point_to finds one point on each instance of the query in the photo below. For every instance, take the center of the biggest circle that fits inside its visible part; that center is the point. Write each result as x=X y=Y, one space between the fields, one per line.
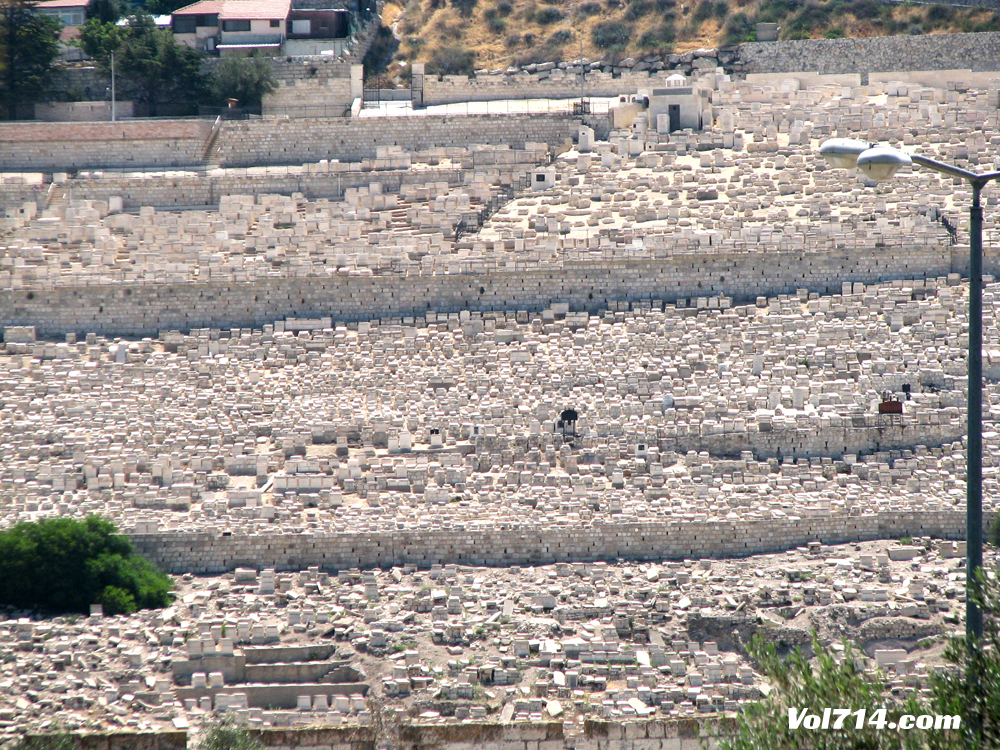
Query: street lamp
x=881 y=163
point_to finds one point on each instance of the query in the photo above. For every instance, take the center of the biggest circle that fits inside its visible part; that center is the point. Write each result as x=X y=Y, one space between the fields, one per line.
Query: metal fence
x=503 y=107
x=308 y=110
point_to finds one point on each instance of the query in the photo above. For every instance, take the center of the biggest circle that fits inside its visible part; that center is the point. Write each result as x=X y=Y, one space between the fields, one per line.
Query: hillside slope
x=458 y=36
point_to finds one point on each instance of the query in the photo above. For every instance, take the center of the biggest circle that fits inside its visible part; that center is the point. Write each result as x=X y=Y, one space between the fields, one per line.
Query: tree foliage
x=105 y=11
x=451 y=60
x=29 y=44
x=831 y=682
x=229 y=736
x=247 y=79
x=64 y=565
x=970 y=688
x=61 y=741
x=150 y=67
x=974 y=688
x=610 y=34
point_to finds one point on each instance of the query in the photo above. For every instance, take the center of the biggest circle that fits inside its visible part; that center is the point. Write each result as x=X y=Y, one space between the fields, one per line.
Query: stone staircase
x=275 y=677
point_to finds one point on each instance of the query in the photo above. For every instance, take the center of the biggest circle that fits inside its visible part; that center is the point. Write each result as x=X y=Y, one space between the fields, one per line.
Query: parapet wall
x=264 y=142
x=144 y=310
x=61 y=146
x=208 y=552
x=558 y=84
x=642 y=734
x=199 y=189
x=977 y=52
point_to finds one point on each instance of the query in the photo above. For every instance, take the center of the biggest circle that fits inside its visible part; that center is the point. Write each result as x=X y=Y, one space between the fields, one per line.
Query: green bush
x=862 y=9
x=249 y=79
x=637 y=9
x=776 y=11
x=610 y=34
x=464 y=7
x=710 y=9
x=548 y=14
x=228 y=736
x=661 y=38
x=585 y=10
x=835 y=33
x=451 y=60
x=47 y=742
x=63 y=565
x=939 y=13
x=563 y=36
x=739 y=28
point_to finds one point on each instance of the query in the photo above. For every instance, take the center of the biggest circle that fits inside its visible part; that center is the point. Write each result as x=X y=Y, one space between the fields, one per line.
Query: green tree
x=29 y=44
x=247 y=79
x=229 y=736
x=63 y=741
x=64 y=565
x=973 y=689
x=151 y=68
x=798 y=684
x=105 y=11
x=99 y=39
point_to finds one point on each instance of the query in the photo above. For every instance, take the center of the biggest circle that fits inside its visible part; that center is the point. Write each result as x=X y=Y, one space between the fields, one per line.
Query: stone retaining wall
x=263 y=142
x=205 y=552
x=977 y=52
x=144 y=310
x=194 y=189
x=642 y=734
x=62 y=146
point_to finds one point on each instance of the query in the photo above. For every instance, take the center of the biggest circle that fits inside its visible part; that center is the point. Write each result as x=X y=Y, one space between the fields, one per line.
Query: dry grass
x=505 y=32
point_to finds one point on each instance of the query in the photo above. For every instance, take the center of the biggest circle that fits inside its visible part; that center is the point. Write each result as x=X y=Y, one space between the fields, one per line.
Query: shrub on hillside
x=64 y=565
x=229 y=736
x=862 y=9
x=548 y=14
x=940 y=13
x=637 y=9
x=451 y=60
x=610 y=34
x=739 y=28
x=661 y=38
x=585 y=10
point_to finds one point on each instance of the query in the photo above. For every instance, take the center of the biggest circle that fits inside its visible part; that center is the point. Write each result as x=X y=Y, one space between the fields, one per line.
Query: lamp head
x=882 y=162
x=843 y=153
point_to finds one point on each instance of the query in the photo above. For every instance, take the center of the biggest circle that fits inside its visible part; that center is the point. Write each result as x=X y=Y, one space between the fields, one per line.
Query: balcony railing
x=233 y=37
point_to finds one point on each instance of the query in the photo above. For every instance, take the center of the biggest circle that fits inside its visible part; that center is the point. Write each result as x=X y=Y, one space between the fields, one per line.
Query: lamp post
x=881 y=163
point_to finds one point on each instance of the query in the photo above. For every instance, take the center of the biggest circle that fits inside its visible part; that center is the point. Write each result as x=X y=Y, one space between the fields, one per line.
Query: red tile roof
x=63 y=4
x=255 y=9
x=204 y=7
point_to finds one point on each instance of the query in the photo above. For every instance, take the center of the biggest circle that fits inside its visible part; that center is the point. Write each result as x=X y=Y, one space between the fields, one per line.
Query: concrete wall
x=977 y=52
x=180 y=552
x=641 y=734
x=261 y=142
x=194 y=189
x=134 y=143
x=82 y=111
x=585 y=285
x=556 y=84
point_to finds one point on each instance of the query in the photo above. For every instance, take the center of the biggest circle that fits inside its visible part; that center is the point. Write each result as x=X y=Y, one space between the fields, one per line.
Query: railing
x=308 y=110
x=503 y=107
x=229 y=113
x=210 y=141
x=229 y=37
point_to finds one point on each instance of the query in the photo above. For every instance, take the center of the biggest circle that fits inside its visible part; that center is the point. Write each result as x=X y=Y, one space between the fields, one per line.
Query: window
x=539 y=178
x=184 y=24
x=275 y=24
x=242 y=25
x=211 y=19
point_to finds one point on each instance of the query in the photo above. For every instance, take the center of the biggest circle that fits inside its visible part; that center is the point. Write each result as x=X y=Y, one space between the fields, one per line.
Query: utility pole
x=113 y=117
